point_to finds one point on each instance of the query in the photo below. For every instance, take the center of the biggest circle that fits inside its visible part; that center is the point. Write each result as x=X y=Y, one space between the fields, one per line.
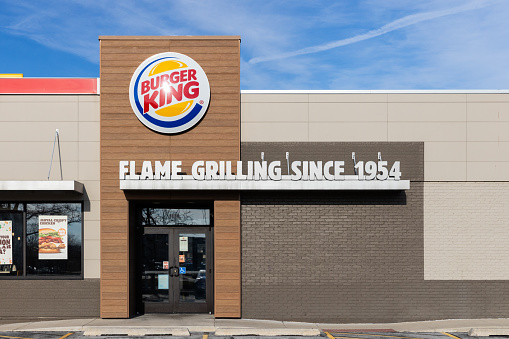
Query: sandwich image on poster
x=52 y=237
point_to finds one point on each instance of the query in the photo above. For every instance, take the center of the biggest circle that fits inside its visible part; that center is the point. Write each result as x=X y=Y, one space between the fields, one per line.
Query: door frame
x=139 y=229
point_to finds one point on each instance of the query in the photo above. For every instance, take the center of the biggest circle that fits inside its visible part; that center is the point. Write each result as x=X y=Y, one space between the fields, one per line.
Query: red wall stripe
x=48 y=86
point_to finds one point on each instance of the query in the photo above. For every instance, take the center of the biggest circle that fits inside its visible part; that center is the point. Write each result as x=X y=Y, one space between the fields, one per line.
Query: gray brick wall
x=348 y=256
x=49 y=298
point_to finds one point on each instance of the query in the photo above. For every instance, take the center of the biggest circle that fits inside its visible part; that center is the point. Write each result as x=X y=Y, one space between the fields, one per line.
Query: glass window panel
x=11 y=260
x=175 y=217
x=11 y=206
x=154 y=278
x=55 y=263
x=193 y=284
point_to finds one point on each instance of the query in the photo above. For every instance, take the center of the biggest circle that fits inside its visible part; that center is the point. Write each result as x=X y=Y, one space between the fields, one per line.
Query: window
x=41 y=239
x=175 y=216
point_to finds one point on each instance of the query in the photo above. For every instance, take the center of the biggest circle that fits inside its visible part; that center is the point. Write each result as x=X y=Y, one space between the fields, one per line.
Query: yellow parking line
x=329 y=335
x=205 y=336
x=65 y=336
x=4 y=336
x=450 y=335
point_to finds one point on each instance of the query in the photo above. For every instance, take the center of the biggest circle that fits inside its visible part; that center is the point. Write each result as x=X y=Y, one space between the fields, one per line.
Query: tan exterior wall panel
x=426 y=97
x=445 y=151
x=488 y=151
x=28 y=170
x=88 y=108
x=445 y=170
x=488 y=111
x=21 y=151
x=92 y=268
x=487 y=97
x=88 y=151
x=465 y=231
x=347 y=112
x=33 y=110
x=347 y=97
x=38 y=131
x=92 y=210
x=273 y=98
x=296 y=131
x=488 y=131
x=426 y=131
x=274 y=112
x=348 y=131
x=92 y=231
x=89 y=131
x=443 y=111
x=88 y=170
x=487 y=171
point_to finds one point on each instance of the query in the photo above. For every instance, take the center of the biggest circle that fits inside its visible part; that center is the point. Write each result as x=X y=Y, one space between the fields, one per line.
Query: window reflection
x=70 y=266
x=175 y=216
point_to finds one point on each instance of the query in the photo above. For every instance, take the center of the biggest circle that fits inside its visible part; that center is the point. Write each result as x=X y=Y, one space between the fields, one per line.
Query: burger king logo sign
x=169 y=93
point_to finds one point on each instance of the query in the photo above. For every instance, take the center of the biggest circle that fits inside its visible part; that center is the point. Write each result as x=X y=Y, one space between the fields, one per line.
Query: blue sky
x=286 y=45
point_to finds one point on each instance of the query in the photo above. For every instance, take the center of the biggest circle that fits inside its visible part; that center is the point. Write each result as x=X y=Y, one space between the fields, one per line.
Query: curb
x=135 y=331
x=485 y=332
x=268 y=332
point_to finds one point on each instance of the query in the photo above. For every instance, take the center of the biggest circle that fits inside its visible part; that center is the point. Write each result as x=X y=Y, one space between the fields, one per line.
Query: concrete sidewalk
x=184 y=324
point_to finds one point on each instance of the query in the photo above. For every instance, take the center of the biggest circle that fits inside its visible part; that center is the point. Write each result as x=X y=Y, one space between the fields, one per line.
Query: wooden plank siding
x=123 y=137
x=227 y=263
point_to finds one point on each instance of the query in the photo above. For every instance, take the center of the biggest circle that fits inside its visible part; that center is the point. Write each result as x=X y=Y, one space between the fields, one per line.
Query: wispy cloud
x=392 y=26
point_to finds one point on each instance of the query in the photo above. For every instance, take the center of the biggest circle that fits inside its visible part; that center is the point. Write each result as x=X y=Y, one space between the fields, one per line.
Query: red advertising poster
x=52 y=237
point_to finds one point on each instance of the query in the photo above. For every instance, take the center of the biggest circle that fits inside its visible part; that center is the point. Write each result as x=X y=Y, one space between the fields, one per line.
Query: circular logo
x=169 y=93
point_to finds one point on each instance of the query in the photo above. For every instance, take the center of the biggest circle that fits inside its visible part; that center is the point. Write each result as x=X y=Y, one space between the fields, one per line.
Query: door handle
x=174 y=271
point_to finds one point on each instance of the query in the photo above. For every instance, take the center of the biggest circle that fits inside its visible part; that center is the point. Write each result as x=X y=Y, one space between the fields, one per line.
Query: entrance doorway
x=175 y=267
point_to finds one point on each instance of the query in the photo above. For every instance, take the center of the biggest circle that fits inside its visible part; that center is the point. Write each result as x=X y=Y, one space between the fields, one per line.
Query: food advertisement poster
x=6 y=242
x=52 y=237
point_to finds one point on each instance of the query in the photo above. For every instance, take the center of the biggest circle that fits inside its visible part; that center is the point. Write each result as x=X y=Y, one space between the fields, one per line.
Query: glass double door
x=176 y=269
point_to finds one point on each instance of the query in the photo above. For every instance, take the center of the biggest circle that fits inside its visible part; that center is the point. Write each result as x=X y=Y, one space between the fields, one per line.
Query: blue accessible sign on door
x=182 y=270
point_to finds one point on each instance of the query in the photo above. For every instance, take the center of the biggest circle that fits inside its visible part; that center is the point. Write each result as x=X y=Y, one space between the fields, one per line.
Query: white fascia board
x=382 y=91
x=67 y=185
x=188 y=183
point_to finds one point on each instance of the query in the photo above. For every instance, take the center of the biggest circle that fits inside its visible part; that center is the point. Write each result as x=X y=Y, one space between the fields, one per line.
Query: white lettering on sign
x=259 y=170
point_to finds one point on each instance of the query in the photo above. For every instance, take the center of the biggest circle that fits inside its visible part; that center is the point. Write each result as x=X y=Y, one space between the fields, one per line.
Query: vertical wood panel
x=227 y=264
x=123 y=137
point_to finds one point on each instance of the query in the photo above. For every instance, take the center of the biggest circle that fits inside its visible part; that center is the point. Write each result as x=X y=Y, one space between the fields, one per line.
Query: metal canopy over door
x=175 y=269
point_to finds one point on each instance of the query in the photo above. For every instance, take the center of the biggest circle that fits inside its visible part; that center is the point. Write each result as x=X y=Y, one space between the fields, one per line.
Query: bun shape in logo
x=169 y=93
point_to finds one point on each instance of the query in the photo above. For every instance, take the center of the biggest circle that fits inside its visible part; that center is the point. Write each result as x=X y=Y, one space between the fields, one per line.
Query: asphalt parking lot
x=331 y=334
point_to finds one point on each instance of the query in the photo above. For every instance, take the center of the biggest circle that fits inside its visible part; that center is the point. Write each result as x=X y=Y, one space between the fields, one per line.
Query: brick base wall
x=349 y=257
x=50 y=298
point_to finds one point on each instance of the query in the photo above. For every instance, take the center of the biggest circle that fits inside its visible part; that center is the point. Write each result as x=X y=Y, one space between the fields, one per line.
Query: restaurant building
x=162 y=187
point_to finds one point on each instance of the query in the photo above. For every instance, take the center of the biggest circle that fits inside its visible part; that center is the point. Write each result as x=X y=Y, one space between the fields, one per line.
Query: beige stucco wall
x=466 y=135
x=27 y=131
x=466 y=230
